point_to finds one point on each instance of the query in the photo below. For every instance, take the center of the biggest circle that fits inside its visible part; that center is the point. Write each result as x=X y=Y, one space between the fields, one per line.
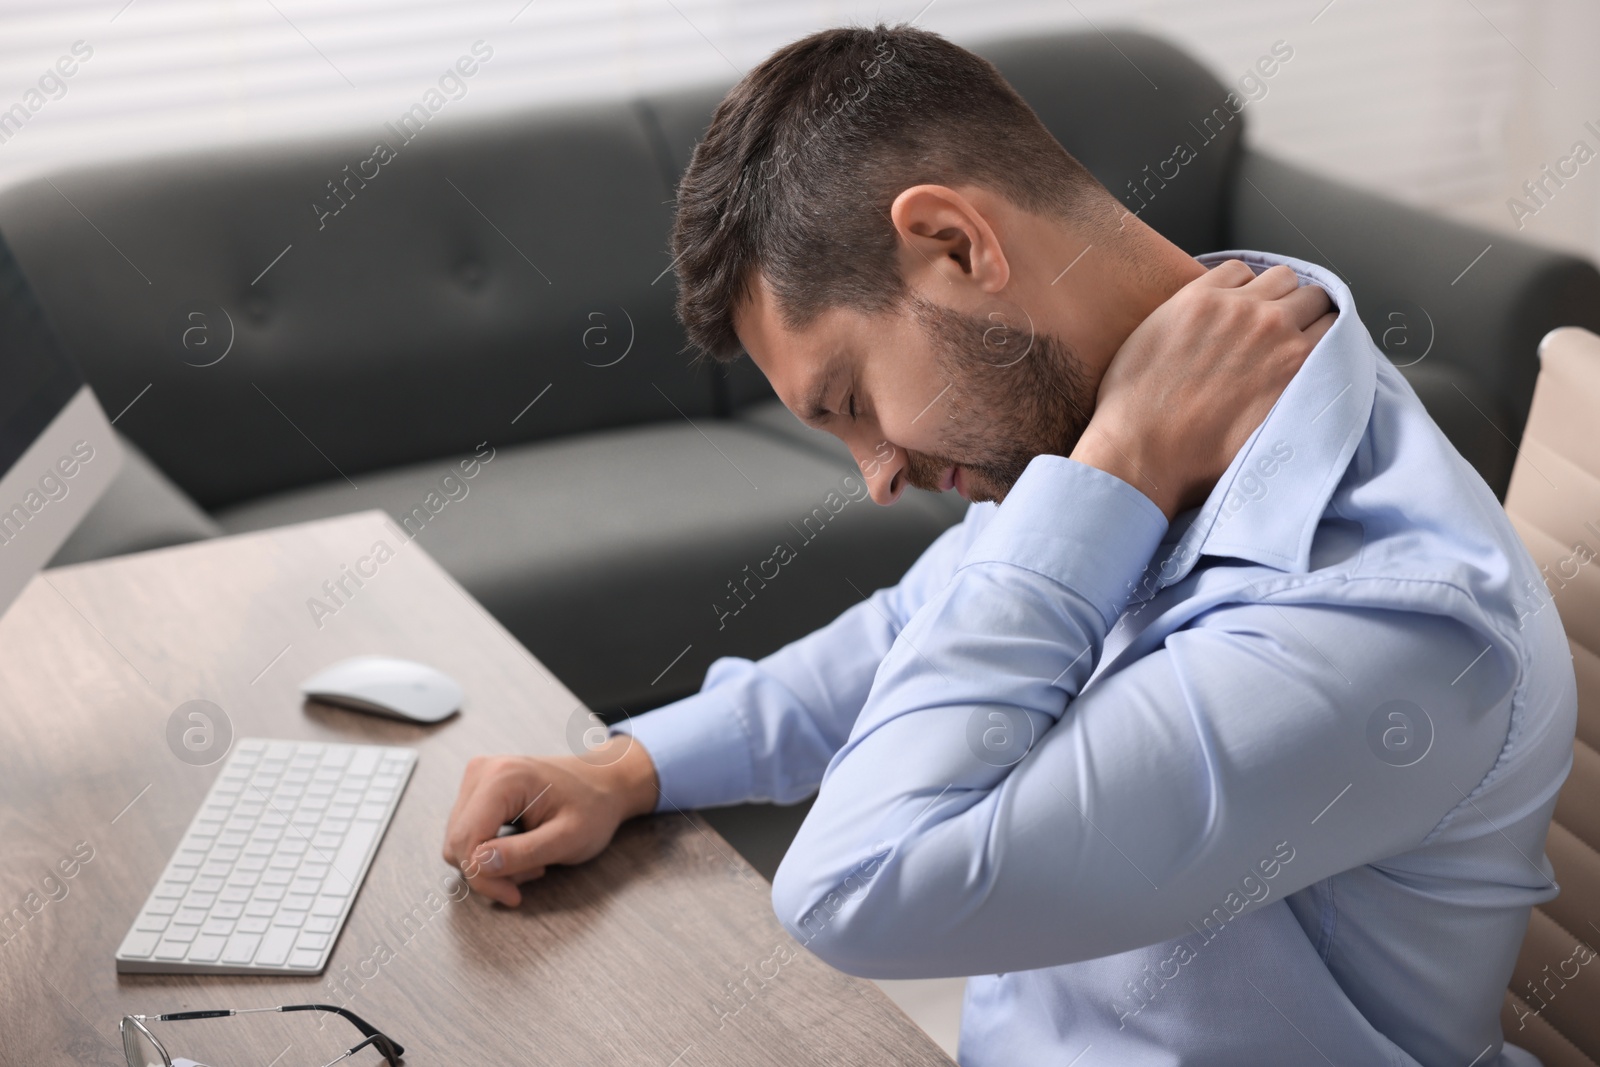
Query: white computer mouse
x=382 y=685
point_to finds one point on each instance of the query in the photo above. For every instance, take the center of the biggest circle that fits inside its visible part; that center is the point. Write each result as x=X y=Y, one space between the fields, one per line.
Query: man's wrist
x=628 y=772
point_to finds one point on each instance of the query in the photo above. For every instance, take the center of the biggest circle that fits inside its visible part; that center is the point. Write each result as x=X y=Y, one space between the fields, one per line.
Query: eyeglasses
x=144 y=1050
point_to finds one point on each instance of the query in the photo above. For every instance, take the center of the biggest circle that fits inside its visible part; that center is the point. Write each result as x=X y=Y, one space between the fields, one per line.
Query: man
x=1226 y=727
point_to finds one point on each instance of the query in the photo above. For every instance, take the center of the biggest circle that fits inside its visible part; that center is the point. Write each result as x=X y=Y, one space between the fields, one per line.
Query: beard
x=1010 y=398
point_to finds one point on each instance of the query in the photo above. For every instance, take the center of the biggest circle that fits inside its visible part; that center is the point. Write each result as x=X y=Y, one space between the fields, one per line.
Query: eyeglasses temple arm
x=370 y=1032
x=366 y=1028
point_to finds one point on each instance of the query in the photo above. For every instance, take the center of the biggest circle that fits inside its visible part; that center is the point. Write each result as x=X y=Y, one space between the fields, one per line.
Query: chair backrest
x=1554 y=503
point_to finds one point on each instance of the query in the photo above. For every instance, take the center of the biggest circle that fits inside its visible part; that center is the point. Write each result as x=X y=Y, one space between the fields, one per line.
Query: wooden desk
x=633 y=958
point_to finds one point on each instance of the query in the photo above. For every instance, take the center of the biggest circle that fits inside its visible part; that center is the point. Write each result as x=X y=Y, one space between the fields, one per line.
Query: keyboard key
x=319 y=924
x=302 y=958
x=217 y=927
x=161 y=907
x=364 y=762
x=227 y=911
x=353 y=853
x=261 y=908
x=253 y=925
x=295 y=919
x=181 y=934
x=191 y=916
x=206 y=949
x=199 y=900
x=139 y=945
x=241 y=948
x=171 y=891
x=172 y=950
x=235 y=894
x=275 y=947
x=207 y=885
x=152 y=923
x=328 y=905
x=317 y=942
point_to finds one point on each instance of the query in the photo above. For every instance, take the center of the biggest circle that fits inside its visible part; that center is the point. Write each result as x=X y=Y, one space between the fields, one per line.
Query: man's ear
x=945 y=238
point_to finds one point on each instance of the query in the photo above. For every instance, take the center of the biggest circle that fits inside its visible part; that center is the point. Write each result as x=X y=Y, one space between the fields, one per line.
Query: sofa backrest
x=478 y=267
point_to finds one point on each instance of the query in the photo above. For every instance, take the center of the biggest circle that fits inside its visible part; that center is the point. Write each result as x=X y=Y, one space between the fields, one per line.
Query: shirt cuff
x=1078 y=526
x=700 y=748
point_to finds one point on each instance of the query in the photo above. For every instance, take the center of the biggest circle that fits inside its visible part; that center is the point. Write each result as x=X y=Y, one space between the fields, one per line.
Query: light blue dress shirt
x=1266 y=787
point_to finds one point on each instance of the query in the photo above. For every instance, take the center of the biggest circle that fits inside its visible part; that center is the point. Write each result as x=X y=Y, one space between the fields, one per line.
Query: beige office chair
x=1562 y=531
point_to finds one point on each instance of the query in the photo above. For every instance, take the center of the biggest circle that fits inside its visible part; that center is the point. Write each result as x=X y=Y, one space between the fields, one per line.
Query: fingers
x=1274 y=283
x=1229 y=274
x=500 y=890
x=1307 y=304
x=469 y=782
x=523 y=857
x=499 y=792
x=1316 y=330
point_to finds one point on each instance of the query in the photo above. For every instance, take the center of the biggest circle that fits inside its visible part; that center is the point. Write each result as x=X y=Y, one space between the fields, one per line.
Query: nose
x=884 y=467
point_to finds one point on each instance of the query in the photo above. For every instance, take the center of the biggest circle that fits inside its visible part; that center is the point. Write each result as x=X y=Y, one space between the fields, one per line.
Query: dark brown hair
x=795 y=176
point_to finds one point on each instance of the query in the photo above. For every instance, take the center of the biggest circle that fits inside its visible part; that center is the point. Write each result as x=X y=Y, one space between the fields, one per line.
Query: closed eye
x=852 y=405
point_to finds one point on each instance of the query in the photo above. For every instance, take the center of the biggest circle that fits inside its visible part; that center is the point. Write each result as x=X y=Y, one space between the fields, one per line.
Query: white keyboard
x=266 y=873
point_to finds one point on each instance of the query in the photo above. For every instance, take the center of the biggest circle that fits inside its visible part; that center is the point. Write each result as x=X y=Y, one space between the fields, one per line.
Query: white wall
x=1448 y=104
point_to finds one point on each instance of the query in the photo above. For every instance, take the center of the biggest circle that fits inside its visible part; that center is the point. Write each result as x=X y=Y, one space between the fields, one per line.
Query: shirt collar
x=1266 y=506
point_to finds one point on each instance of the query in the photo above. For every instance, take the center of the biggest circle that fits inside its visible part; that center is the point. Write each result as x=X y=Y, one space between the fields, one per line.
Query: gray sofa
x=503 y=288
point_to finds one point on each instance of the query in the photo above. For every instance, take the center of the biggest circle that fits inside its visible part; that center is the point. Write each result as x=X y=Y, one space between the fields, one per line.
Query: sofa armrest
x=1423 y=291
x=140 y=510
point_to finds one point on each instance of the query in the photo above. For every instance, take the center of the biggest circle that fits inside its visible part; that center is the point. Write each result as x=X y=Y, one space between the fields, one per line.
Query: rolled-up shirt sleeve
x=1130 y=809
x=764 y=730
